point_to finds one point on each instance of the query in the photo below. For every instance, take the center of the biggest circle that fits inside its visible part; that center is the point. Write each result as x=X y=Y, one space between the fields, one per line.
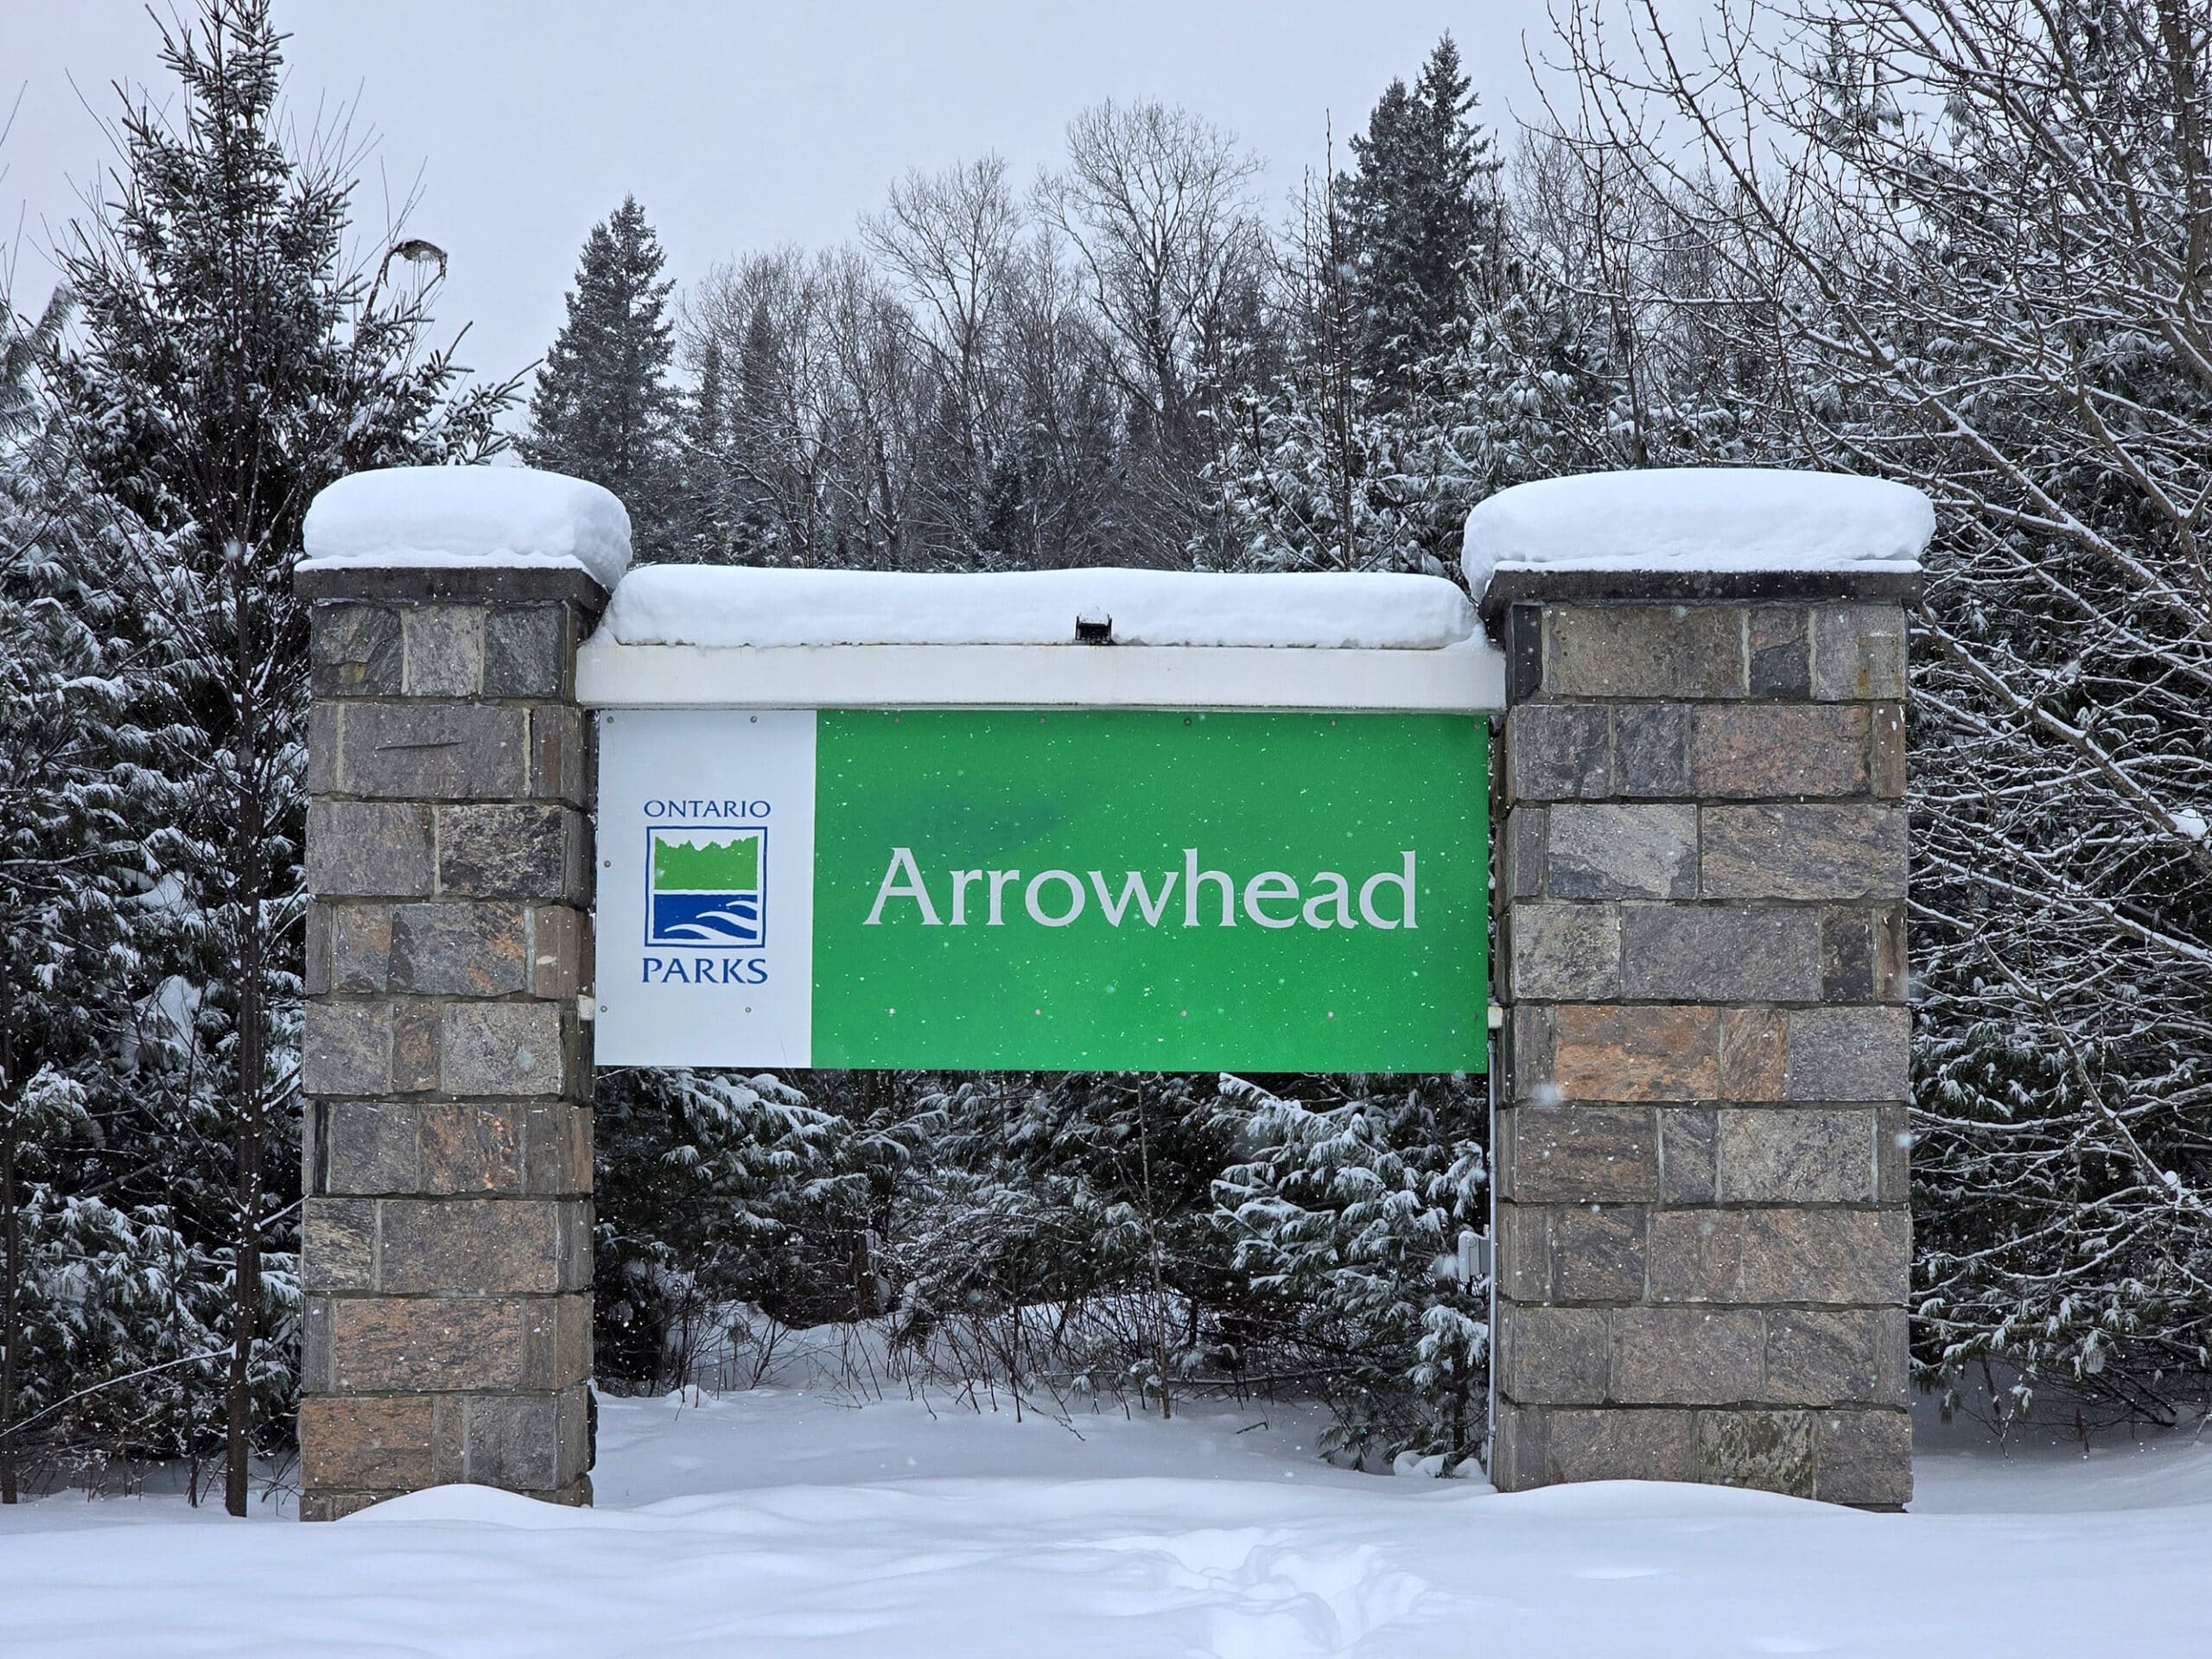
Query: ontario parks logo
x=704 y=887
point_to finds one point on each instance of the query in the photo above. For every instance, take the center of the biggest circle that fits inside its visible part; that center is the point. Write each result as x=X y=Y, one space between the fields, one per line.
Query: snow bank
x=445 y=515
x=695 y=604
x=795 y=1524
x=1699 y=518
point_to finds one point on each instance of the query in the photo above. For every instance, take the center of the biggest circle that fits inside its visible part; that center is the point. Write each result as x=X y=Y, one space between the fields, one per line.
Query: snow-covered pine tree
x=1420 y=211
x=83 y=819
x=1345 y=1212
x=604 y=408
x=232 y=360
x=1404 y=397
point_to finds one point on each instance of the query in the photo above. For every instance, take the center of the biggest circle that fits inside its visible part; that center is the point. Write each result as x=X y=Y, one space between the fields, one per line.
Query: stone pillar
x=1702 y=1236
x=447 y=1231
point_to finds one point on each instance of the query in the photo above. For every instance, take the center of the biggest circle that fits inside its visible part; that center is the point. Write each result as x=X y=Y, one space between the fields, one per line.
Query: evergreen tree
x=1342 y=1212
x=604 y=408
x=1409 y=390
x=83 y=818
x=1421 y=217
x=230 y=362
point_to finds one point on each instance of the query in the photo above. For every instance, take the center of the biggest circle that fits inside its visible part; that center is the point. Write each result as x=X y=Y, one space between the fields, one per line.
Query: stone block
x=472 y=1146
x=1859 y=653
x=557 y=1147
x=1807 y=851
x=336 y=1506
x=1689 y=1155
x=359 y=950
x=1570 y=952
x=514 y=1441
x=1711 y=953
x=1621 y=851
x=1850 y=1054
x=1516 y=1447
x=578 y=1429
x=314 y=973
x=1847 y=954
x=338 y=1244
x=414 y=1046
x=1558 y=751
x=1651 y=749
x=1601 y=1052
x=1695 y=1255
x=559 y=948
x=1839 y=1357
x=512 y=852
x=365 y=1444
x=1811 y=1257
x=527 y=651
x=1796 y=1155
x=431 y=1344
x=1551 y=1356
x=353 y=651
x=1762 y=750
x=1657 y=1443
x=474 y=1246
x=1764 y=1451
x=346 y=1049
x=1886 y=752
x=317 y=1373
x=1598 y=1252
x=1688 y=1356
x=445 y=649
x=1893 y=1154
x=325 y=722
x=1863 y=1457
x=1579 y=1154
x=369 y=1146
x=1845 y=1257
x=368 y=850
x=459 y=948
x=1644 y=651
x=1781 y=651
x=434 y=751
x=502 y=1048
x=557 y=754
x=1529 y=1053
x=1522 y=875
x=1754 y=1053
x=1524 y=1252
x=561 y=1338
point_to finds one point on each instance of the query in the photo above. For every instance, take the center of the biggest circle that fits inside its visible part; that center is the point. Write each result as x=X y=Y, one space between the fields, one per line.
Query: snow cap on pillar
x=1716 y=520
x=448 y=516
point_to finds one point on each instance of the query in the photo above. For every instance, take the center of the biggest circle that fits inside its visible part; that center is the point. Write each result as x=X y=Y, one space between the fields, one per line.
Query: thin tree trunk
x=11 y=1227
x=245 y=1305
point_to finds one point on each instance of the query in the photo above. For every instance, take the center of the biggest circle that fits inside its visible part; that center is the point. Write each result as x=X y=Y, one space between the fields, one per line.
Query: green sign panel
x=1098 y=890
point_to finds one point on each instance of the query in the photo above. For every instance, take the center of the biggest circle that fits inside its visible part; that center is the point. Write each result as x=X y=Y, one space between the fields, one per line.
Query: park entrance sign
x=1126 y=819
x=1114 y=889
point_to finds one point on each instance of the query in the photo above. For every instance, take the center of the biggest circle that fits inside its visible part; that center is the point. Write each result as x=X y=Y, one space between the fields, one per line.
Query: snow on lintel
x=452 y=516
x=733 y=606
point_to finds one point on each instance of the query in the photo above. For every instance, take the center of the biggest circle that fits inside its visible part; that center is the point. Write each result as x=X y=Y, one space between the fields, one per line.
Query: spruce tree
x=83 y=813
x=1419 y=214
x=604 y=408
x=231 y=362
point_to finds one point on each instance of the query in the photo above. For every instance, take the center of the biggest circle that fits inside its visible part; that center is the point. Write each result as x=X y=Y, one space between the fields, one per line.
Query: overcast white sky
x=738 y=126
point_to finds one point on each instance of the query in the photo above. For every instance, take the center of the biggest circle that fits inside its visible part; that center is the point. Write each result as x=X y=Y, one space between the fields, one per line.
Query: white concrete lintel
x=1467 y=678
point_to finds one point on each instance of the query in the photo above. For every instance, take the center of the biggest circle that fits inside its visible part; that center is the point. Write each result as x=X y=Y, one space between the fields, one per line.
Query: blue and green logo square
x=705 y=885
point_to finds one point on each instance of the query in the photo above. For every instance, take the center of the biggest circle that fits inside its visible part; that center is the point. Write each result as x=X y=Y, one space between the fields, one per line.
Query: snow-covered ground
x=782 y=1522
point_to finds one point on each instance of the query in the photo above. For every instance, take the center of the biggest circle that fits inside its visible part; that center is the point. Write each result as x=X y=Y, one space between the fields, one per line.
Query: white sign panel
x=705 y=920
